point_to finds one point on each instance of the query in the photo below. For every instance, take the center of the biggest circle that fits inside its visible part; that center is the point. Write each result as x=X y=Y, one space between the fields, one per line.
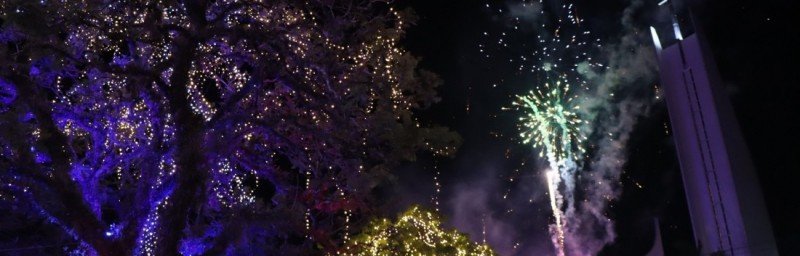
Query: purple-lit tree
x=204 y=127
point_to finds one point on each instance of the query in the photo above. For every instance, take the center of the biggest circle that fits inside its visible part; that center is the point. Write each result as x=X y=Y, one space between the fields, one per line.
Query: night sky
x=754 y=45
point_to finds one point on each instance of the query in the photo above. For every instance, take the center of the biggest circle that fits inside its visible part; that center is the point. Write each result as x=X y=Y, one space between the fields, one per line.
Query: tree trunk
x=190 y=159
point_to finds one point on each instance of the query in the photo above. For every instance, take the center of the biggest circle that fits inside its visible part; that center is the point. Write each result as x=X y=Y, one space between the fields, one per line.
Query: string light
x=277 y=93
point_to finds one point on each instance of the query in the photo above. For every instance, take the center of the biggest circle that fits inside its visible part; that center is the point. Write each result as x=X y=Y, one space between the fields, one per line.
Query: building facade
x=726 y=206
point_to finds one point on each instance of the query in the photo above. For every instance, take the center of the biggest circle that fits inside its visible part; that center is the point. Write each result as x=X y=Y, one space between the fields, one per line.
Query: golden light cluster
x=415 y=232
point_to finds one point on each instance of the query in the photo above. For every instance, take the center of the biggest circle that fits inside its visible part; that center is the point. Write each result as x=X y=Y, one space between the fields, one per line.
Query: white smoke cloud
x=479 y=209
x=613 y=108
x=527 y=12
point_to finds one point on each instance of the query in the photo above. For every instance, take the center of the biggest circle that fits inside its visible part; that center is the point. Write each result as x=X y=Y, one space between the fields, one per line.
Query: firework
x=558 y=56
x=551 y=123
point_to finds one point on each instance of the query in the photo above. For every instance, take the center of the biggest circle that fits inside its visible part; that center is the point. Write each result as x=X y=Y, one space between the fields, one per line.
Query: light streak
x=553 y=179
x=656 y=41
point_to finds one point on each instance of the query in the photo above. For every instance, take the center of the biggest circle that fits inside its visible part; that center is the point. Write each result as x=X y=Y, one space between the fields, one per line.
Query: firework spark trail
x=552 y=125
x=553 y=179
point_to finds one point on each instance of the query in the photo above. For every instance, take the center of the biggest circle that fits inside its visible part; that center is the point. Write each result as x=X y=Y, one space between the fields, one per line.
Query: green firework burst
x=550 y=122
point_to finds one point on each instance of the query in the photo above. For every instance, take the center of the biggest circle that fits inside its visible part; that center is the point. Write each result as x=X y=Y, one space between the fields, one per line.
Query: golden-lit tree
x=415 y=232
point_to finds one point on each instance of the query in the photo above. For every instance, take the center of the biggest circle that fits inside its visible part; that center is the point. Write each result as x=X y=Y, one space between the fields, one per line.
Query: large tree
x=193 y=127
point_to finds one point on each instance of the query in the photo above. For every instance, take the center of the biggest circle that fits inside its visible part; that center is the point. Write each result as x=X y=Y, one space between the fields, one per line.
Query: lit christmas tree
x=415 y=232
